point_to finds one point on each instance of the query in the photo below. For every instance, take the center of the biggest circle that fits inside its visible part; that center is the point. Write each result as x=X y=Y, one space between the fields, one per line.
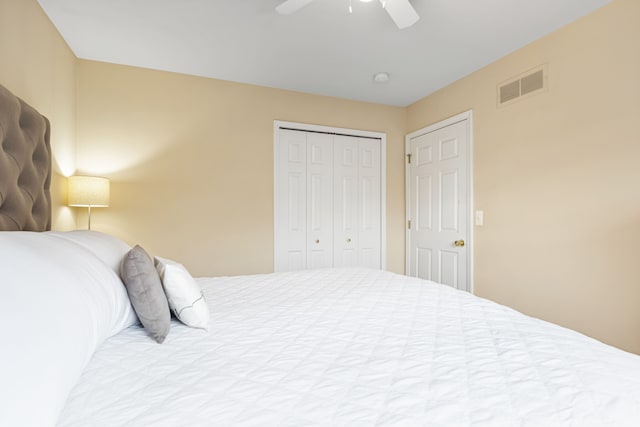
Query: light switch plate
x=479 y=218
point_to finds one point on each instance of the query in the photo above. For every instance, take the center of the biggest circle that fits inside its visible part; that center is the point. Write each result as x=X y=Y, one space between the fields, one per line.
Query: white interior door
x=319 y=200
x=291 y=202
x=438 y=205
x=345 y=196
x=369 y=206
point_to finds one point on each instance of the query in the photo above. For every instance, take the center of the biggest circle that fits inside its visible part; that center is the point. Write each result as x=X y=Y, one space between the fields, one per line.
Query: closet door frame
x=277 y=124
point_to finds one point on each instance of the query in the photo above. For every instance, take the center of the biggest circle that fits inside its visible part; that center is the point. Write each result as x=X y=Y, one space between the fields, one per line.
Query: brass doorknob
x=458 y=243
x=318 y=241
x=348 y=240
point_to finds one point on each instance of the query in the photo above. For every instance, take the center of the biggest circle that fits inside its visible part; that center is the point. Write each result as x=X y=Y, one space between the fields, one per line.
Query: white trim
x=275 y=191
x=277 y=124
x=468 y=117
x=328 y=129
x=407 y=205
x=383 y=201
x=470 y=199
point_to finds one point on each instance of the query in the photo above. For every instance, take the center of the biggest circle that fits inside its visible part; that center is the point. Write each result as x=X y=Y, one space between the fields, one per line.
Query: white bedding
x=355 y=348
x=58 y=302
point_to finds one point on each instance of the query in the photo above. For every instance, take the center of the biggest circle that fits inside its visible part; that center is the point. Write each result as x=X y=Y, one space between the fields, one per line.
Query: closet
x=328 y=200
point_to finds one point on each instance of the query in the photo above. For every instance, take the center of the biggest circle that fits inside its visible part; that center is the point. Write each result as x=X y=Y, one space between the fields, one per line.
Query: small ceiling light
x=381 y=77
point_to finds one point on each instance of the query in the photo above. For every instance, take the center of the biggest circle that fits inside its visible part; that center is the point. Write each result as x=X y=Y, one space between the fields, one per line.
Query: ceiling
x=321 y=49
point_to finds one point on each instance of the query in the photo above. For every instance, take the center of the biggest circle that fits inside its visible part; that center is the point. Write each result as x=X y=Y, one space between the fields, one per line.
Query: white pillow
x=59 y=303
x=108 y=248
x=183 y=293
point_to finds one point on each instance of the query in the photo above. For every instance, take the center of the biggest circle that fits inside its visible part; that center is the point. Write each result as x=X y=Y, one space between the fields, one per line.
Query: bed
x=332 y=347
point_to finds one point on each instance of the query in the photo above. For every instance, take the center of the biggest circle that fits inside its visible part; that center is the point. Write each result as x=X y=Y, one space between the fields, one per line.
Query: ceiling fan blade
x=291 y=6
x=401 y=11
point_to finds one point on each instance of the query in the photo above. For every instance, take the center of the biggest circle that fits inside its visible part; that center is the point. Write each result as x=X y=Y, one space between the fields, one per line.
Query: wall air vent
x=528 y=83
x=509 y=91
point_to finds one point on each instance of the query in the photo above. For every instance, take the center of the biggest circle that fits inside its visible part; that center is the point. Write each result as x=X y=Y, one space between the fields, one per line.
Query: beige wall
x=38 y=67
x=191 y=162
x=558 y=176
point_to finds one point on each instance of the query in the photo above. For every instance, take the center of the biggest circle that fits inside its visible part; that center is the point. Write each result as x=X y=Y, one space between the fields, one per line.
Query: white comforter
x=355 y=348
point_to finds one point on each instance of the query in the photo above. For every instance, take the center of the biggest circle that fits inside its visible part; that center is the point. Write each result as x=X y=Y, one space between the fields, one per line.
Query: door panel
x=449 y=148
x=424 y=155
x=291 y=194
x=438 y=205
x=296 y=198
x=320 y=200
x=349 y=208
x=296 y=260
x=423 y=263
x=369 y=205
x=448 y=268
x=424 y=202
x=345 y=172
x=448 y=202
x=366 y=184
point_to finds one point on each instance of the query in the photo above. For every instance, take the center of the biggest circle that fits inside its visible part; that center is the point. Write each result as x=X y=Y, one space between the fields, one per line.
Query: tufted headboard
x=25 y=166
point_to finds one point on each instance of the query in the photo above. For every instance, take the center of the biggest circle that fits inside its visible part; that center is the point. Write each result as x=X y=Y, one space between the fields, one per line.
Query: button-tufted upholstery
x=25 y=166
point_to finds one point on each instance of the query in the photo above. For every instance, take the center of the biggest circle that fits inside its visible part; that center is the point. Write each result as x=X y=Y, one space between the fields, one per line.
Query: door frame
x=468 y=117
x=307 y=127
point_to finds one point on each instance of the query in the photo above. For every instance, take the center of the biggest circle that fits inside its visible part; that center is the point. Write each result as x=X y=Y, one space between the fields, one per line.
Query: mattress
x=355 y=347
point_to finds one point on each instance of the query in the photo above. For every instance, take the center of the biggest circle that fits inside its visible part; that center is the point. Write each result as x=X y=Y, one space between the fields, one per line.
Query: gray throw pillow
x=145 y=292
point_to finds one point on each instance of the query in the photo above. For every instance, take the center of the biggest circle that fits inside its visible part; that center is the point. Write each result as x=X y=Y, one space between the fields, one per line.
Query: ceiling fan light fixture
x=381 y=77
x=401 y=11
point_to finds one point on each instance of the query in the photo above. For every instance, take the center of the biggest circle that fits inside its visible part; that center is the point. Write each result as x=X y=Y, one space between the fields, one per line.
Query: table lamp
x=89 y=191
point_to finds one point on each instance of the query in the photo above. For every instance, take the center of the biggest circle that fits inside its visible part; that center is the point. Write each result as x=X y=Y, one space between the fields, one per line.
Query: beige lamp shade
x=88 y=191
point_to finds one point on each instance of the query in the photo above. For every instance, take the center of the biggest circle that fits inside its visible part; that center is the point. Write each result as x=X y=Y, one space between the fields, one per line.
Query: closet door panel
x=319 y=200
x=345 y=196
x=369 y=209
x=291 y=202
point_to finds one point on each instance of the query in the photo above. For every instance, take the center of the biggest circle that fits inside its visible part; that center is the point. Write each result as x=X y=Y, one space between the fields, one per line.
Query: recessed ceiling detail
x=320 y=49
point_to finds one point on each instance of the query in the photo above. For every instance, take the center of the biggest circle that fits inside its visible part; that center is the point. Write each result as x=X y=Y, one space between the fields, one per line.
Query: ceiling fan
x=401 y=11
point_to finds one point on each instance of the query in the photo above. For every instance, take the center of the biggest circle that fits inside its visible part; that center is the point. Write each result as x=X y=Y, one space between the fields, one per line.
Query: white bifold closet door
x=356 y=195
x=328 y=201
